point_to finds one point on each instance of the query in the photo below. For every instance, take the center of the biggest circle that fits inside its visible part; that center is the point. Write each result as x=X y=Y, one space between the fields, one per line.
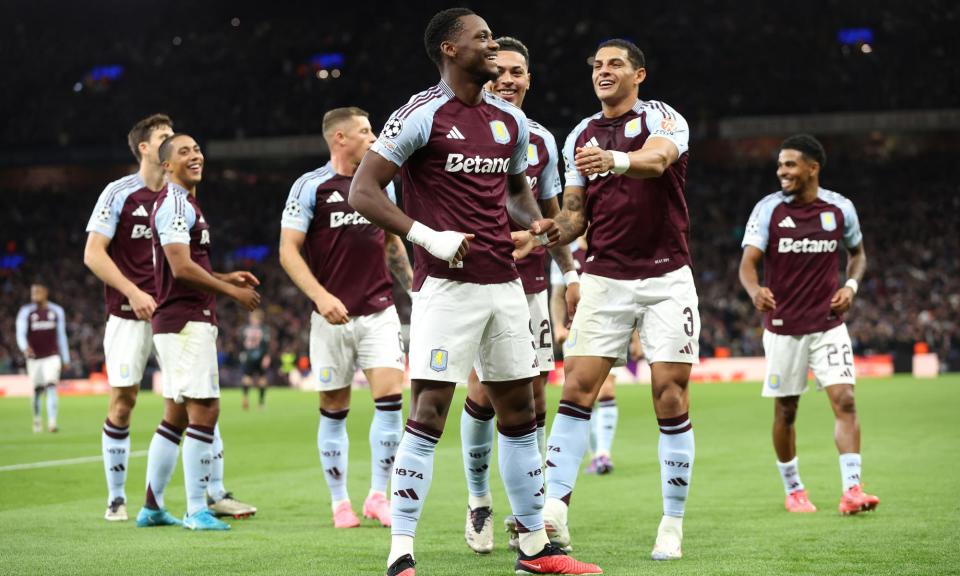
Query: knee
x=670 y=397
x=845 y=405
x=430 y=414
x=786 y=413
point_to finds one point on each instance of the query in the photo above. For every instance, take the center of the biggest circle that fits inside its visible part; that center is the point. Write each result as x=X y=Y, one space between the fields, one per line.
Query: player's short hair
x=634 y=54
x=808 y=146
x=337 y=116
x=443 y=27
x=511 y=44
x=166 y=147
x=142 y=130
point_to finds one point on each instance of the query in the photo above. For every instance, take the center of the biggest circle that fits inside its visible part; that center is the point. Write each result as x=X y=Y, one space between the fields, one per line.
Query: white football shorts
x=188 y=360
x=664 y=310
x=43 y=371
x=456 y=326
x=789 y=358
x=127 y=345
x=541 y=328
x=370 y=341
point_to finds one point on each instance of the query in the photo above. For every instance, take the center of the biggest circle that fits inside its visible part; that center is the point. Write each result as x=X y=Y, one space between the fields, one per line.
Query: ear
x=142 y=147
x=529 y=81
x=641 y=75
x=449 y=49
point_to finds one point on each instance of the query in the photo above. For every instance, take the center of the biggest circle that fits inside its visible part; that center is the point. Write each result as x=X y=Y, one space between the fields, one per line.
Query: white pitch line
x=67 y=462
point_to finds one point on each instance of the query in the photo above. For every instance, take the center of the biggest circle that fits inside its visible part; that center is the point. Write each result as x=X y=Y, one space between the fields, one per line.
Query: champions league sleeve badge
x=392 y=128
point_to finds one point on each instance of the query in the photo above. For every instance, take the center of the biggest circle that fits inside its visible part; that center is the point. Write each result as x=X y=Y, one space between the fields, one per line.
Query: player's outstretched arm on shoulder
x=761 y=296
x=366 y=194
x=185 y=270
x=98 y=260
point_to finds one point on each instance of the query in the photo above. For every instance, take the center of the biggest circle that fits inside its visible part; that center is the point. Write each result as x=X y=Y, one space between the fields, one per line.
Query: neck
x=151 y=174
x=809 y=193
x=191 y=188
x=616 y=109
x=342 y=165
x=464 y=85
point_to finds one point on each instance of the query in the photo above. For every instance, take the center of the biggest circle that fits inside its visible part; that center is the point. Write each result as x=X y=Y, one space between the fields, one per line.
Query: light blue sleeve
x=391 y=193
x=518 y=159
x=62 y=333
x=572 y=176
x=106 y=213
x=852 y=236
x=665 y=122
x=550 y=177
x=22 y=320
x=401 y=137
x=758 y=226
x=172 y=227
x=301 y=203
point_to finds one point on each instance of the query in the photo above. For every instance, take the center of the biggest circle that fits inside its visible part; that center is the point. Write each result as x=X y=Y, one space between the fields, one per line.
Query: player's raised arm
x=650 y=161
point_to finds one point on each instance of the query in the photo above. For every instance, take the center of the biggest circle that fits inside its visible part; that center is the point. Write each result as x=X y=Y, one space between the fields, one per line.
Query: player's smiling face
x=513 y=79
x=614 y=77
x=474 y=49
x=794 y=170
x=185 y=164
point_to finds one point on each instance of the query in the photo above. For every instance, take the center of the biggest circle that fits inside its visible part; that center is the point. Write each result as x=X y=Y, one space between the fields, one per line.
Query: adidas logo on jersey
x=476 y=164
x=787 y=223
x=591 y=142
x=338 y=219
x=455 y=134
x=806 y=246
x=335 y=197
x=141 y=211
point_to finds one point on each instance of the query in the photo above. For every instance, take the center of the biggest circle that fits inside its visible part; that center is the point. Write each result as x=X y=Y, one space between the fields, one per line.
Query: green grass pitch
x=51 y=518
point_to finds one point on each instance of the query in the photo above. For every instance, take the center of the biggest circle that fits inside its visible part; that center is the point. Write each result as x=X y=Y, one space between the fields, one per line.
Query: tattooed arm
x=572 y=222
x=397 y=262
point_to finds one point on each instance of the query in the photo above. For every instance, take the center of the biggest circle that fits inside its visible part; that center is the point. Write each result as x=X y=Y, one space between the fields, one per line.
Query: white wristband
x=621 y=161
x=571 y=277
x=853 y=285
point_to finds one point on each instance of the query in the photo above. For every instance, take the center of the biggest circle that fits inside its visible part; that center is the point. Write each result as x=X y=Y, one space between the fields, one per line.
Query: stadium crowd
x=253 y=71
x=911 y=292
